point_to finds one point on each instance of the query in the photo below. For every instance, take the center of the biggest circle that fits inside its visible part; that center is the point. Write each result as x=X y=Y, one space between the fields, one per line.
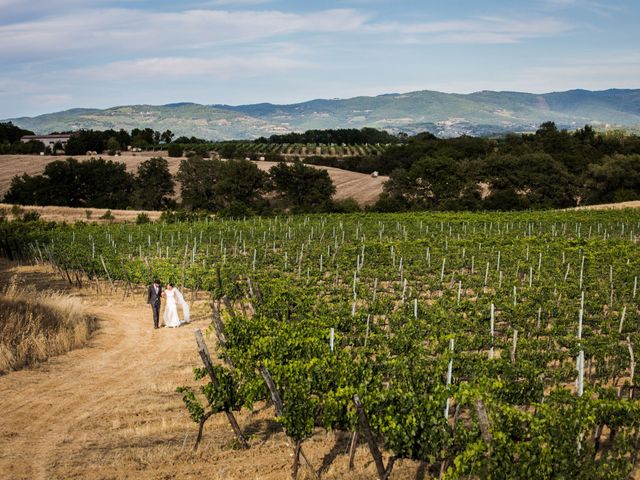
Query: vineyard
x=484 y=345
x=306 y=149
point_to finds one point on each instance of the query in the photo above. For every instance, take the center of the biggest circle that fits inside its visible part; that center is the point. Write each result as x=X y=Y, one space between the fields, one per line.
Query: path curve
x=49 y=411
x=110 y=410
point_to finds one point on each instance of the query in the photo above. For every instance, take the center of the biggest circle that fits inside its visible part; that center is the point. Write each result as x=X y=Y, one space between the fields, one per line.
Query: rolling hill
x=444 y=114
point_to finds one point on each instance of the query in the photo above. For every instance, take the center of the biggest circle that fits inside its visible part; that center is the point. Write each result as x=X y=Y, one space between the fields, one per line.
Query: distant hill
x=444 y=114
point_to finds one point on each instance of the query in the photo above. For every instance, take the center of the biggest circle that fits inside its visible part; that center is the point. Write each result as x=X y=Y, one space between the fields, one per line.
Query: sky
x=56 y=55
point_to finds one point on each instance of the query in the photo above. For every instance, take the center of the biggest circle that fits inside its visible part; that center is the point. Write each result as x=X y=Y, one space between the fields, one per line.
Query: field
x=110 y=410
x=361 y=187
x=306 y=150
x=499 y=345
x=70 y=214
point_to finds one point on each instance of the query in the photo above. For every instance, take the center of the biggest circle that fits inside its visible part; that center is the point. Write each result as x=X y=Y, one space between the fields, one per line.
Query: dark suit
x=153 y=299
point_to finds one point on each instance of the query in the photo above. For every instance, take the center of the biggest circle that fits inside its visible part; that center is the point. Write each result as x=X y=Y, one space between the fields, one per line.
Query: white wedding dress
x=170 y=317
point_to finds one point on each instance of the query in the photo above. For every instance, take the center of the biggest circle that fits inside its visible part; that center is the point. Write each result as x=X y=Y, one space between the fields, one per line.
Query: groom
x=154 y=294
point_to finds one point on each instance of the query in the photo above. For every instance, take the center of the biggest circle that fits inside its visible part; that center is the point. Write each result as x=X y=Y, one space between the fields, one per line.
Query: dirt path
x=53 y=411
x=110 y=411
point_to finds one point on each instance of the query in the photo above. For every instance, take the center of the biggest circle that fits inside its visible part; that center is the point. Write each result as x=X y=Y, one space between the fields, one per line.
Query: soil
x=110 y=410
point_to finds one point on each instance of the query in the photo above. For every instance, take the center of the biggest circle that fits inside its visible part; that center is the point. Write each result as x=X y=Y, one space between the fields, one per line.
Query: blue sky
x=56 y=55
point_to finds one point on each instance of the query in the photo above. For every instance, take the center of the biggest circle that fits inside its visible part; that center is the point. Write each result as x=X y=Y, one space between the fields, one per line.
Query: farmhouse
x=48 y=140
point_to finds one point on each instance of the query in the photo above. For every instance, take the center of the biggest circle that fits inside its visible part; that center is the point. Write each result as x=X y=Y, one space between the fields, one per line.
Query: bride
x=174 y=298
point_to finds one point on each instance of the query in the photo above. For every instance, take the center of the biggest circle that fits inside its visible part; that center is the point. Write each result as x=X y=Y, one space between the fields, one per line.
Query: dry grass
x=71 y=215
x=35 y=326
x=611 y=206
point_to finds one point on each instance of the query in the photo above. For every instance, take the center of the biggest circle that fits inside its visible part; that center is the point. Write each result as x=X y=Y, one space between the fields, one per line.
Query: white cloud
x=615 y=71
x=485 y=30
x=602 y=9
x=123 y=31
x=236 y=3
x=52 y=99
x=117 y=32
x=224 y=68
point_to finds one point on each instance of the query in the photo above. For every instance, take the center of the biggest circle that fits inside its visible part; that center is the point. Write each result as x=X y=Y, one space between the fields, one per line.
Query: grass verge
x=37 y=325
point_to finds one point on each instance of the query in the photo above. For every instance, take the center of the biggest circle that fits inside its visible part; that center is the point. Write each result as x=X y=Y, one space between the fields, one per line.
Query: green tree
x=175 y=150
x=94 y=183
x=534 y=180
x=197 y=178
x=616 y=179
x=305 y=188
x=112 y=145
x=430 y=183
x=215 y=185
x=167 y=136
x=154 y=185
x=240 y=181
x=9 y=133
x=26 y=190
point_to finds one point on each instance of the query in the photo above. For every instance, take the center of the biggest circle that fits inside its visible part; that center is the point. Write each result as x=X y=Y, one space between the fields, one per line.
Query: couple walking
x=174 y=298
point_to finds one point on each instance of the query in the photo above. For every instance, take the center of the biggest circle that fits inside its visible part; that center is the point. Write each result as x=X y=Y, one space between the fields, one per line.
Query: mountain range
x=444 y=114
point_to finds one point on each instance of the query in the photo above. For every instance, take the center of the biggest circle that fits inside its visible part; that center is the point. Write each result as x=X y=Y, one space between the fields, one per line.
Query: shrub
x=347 y=205
x=17 y=210
x=236 y=210
x=184 y=216
x=142 y=218
x=31 y=216
x=174 y=150
x=107 y=216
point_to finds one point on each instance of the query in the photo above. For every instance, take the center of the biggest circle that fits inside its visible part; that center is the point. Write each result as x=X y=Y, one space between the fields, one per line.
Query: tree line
x=347 y=136
x=231 y=188
x=10 y=143
x=550 y=168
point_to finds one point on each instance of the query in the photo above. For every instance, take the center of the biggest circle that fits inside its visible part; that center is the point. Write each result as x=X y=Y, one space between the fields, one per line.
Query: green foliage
x=107 y=216
x=16 y=210
x=182 y=216
x=142 y=218
x=10 y=142
x=196 y=411
x=349 y=136
x=549 y=169
x=395 y=289
x=167 y=136
x=215 y=185
x=93 y=183
x=430 y=183
x=615 y=179
x=346 y=205
x=112 y=145
x=9 y=133
x=31 y=216
x=85 y=141
x=154 y=185
x=305 y=188
x=175 y=150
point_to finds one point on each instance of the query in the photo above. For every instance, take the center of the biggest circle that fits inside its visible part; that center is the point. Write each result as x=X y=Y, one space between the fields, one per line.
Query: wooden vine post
x=383 y=472
x=206 y=360
x=277 y=403
x=104 y=265
x=485 y=428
